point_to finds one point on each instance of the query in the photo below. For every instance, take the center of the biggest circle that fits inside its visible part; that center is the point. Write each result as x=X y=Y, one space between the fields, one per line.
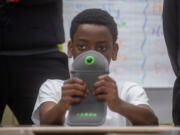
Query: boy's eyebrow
x=100 y=42
x=82 y=40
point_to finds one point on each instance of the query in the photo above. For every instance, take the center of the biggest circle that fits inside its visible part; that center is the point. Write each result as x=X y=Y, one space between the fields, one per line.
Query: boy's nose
x=93 y=48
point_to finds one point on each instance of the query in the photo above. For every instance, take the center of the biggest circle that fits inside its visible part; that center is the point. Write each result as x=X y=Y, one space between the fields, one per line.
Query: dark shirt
x=171 y=25
x=30 y=26
x=171 y=18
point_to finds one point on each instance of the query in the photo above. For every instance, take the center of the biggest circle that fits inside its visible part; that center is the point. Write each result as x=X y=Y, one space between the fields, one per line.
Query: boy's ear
x=115 y=51
x=70 y=49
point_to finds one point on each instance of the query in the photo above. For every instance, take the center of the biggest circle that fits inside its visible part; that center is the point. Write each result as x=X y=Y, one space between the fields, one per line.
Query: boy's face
x=93 y=37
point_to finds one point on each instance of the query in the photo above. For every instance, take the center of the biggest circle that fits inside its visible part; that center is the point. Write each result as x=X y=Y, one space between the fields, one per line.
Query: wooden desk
x=57 y=130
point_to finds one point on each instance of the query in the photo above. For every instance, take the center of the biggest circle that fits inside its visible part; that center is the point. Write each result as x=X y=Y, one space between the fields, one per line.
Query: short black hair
x=94 y=16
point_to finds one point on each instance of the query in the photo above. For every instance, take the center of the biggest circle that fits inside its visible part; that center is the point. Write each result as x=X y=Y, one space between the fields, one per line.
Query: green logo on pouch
x=89 y=60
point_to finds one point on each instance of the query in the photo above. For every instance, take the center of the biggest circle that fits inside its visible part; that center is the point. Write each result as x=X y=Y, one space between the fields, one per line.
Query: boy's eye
x=102 y=48
x=82 y=47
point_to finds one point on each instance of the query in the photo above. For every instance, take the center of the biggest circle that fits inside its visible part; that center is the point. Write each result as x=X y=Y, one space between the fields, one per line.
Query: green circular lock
x=89 y=60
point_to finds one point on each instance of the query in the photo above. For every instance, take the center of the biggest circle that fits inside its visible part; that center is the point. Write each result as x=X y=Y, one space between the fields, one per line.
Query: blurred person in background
x=31 y=33
x=171 y=24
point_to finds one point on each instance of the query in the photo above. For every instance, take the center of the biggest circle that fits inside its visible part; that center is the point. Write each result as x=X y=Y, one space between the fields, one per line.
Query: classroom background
x=142 y=56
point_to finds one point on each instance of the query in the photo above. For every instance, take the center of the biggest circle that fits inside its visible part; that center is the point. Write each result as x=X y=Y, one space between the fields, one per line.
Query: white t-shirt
x=128 y=91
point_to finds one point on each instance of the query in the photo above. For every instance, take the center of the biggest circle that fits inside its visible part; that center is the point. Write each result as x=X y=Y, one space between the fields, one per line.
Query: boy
x=93 y=29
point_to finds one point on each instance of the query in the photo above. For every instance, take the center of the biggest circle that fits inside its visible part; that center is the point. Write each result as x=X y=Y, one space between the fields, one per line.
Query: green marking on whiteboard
x=122 y=24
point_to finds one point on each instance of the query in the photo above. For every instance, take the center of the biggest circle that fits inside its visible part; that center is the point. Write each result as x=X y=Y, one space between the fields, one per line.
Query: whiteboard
x=142 y=55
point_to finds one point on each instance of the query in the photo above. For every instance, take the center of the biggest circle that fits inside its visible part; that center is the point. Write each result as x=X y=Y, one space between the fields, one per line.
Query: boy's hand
x=73 y=91
x=105 y=88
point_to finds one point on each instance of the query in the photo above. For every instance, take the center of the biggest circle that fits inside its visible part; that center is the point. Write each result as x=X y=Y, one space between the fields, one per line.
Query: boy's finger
x=106 y=77
x=108 y=84
x=75 y=86
x=74 y=80
x=76 y=100
x=100 y=90
x=102 y=77
x=99 y=83
x=78 y=93
x=73 y=92
x=101 y=97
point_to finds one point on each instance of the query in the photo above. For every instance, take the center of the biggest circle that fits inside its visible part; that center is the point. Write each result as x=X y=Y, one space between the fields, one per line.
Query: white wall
x=161 y=103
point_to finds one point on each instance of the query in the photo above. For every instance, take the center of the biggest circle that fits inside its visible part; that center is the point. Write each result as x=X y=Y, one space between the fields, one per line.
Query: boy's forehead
x=93 y=28
x=91 y=25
